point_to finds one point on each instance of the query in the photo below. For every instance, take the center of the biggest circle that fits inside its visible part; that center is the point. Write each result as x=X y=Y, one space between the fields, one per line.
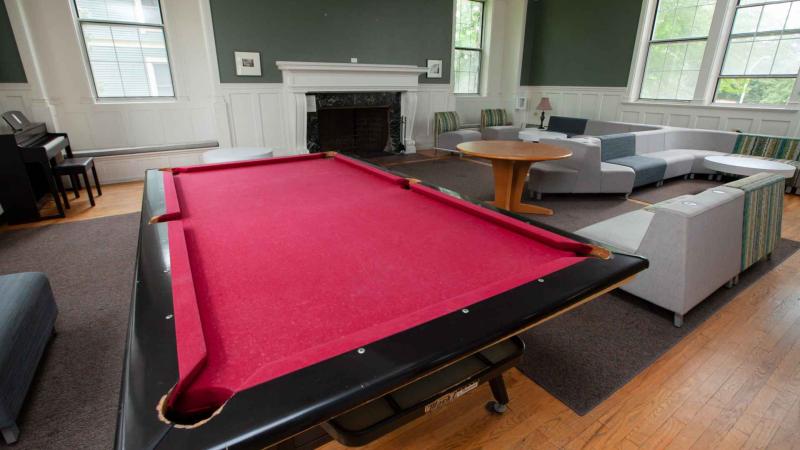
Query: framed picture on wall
x=248 y=64
x=435 y=68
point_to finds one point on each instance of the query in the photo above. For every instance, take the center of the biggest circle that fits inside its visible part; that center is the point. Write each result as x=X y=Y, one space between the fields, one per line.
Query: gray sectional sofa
x=622 y=161
x=690 y=254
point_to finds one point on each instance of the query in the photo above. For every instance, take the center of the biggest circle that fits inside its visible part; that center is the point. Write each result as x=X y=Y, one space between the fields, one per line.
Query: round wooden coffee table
x=511 y=161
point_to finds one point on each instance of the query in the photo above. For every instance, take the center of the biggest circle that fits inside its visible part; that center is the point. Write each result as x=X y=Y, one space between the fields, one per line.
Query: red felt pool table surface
x=279 y=264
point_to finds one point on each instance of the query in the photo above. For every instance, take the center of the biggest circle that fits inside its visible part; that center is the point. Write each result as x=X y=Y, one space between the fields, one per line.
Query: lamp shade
x=544 y=104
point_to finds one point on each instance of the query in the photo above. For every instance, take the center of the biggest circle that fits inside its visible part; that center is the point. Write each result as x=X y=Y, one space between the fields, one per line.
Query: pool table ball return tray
x=274 y=299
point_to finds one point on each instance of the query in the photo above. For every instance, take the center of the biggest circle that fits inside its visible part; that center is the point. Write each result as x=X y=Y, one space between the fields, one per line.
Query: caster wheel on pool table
x=496 y=408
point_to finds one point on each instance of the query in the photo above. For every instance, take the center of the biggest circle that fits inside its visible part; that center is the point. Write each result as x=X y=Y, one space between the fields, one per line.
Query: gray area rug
x=587 y=354
x=476 y=181
x=72 y=403
x=581 y=357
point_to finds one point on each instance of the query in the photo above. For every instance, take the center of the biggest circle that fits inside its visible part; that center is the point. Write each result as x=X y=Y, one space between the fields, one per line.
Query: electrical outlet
x=353 y=60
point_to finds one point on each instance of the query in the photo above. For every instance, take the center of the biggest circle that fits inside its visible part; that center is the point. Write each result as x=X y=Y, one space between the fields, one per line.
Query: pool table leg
x=498 y=386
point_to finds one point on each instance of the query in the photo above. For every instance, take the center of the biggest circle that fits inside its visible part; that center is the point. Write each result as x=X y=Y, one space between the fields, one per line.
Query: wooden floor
x=123 y=198
x=733 y=383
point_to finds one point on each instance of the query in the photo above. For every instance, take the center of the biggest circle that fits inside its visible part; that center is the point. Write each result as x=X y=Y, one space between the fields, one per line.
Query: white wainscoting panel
x=13 y=97
x=575 y=101
x=256 y=114
x=122 y=168
x=611 y=104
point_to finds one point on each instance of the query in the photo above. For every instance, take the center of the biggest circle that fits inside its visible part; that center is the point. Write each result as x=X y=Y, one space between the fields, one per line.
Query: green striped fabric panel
x=794 y=182
x=444 y=122
x=768 y=146
x=763 y=210
x=494 y=118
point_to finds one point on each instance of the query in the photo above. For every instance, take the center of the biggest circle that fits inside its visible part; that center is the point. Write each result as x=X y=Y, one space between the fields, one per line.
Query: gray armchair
x=447 y=132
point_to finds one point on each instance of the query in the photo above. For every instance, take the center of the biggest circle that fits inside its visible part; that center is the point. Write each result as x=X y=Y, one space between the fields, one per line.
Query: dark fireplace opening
x=358 y=123
x=362 y=131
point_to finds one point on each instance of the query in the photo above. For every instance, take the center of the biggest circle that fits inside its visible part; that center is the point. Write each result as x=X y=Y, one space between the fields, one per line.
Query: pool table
x=271 y=296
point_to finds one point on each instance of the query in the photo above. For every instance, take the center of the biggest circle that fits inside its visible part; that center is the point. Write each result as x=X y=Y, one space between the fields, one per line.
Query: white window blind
x=126 y=48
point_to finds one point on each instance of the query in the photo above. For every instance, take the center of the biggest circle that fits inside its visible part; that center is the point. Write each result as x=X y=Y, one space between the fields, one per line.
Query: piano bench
x=73 y=168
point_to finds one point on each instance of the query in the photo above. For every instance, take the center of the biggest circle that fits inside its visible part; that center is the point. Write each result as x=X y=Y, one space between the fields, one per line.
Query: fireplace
x=362 y=123
x=363 y=131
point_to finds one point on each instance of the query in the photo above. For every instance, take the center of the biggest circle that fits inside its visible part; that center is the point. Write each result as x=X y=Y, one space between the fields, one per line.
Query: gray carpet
x=73 y=401
x=586 y=355
x=581 y=357
x=475 y=180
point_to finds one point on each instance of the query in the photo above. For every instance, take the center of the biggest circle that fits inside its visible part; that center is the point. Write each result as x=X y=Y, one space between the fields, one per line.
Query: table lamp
x=544 y=105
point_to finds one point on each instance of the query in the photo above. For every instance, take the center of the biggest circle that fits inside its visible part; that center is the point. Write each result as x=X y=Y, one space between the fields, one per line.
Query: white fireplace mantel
x=301 y=78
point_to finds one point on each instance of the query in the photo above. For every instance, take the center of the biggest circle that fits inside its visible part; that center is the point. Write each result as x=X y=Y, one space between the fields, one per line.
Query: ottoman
x=27 y=316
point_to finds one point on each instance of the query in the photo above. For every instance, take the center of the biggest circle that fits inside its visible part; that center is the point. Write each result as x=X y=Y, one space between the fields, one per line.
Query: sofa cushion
x=571 y=126
x=624 y=232
x=679 y=162
x=501 y=133
x=616 y=179
x=494 y=118
x=548 y=177
x=698 y=166
x=449 y=140
x=648 y=170
x=617 y=146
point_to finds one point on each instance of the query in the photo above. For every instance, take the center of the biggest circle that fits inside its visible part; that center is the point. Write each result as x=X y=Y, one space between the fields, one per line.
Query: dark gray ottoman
x=27 y=316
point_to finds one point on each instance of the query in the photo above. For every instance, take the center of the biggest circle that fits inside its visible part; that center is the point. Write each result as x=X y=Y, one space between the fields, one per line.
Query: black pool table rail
x=279 y=409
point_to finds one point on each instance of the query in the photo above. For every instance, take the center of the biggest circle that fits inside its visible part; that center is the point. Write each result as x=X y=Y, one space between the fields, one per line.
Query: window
x=677 y=45
x=126 y=48
x=468 y=42
x=763 y=54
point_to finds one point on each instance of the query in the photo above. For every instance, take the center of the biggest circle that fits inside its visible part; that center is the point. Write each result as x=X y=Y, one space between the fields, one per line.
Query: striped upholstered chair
x=496 y=125
x=763 y=209
x=447 y=132
x=774 y=148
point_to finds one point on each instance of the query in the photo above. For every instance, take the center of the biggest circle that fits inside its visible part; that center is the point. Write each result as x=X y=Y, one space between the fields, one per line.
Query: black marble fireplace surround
x=373 y=104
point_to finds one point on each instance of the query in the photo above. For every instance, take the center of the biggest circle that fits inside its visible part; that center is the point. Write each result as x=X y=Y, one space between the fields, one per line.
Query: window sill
x=134 y=100
x=779 y=109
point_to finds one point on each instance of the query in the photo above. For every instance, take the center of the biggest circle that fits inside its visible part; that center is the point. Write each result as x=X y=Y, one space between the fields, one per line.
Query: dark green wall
x=11 y=70
x=374 y=31
x=579 y=42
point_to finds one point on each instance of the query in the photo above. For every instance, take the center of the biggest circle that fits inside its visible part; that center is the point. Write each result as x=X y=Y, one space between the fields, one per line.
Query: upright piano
x=25 y=175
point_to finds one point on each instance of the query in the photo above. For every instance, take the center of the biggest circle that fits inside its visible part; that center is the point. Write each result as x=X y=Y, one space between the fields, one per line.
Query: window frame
x=651 y=29
x=710 y=69
x=734 y=6
x=479 y=50
x=87 y=62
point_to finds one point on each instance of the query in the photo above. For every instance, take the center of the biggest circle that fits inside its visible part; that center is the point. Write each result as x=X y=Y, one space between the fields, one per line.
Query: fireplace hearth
x=363 y=124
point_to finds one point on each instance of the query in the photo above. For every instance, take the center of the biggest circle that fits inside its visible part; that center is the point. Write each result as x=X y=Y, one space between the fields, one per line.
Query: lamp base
x=541 y=125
